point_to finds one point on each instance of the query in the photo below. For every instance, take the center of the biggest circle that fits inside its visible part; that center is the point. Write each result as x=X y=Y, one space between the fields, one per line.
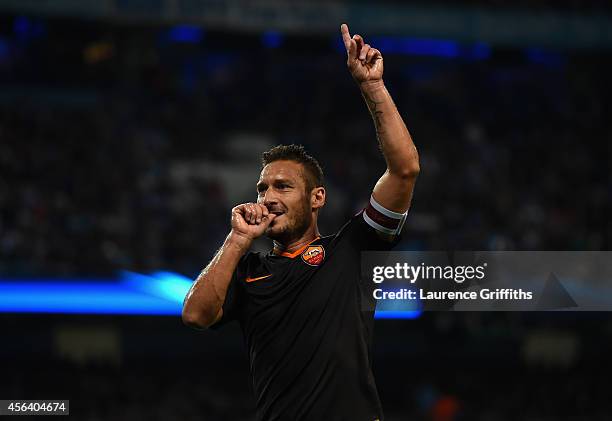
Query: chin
x=274 y=232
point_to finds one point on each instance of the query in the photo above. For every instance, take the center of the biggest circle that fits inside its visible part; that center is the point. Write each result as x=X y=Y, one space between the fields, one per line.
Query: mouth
x=278 y=214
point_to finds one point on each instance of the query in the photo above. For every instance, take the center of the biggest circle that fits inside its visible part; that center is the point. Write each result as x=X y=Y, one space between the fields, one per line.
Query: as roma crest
x=313 y=255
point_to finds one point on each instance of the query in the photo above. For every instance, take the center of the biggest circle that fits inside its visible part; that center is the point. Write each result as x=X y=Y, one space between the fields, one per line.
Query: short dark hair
x=313 y=174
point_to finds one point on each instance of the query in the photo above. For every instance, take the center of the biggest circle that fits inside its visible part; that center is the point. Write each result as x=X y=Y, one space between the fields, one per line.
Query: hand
x=250 y=220
x=364 y=62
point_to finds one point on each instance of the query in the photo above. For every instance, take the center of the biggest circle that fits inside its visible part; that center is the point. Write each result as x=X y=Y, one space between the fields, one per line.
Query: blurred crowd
x=541 y=5
x=442 y=367
x=127 y=147
x=153 y=391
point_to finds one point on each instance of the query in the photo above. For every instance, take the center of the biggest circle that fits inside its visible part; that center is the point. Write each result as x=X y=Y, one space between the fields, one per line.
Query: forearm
x=393 y=137
x=207 y=294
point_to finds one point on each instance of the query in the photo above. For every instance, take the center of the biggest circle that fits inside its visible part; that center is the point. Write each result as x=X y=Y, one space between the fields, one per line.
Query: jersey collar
x=297 y=252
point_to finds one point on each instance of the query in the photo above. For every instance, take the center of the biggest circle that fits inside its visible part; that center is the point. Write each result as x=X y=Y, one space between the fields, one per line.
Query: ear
x=317 y=198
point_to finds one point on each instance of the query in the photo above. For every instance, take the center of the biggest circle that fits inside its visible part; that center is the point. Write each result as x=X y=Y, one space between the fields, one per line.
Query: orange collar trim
x=298 y=251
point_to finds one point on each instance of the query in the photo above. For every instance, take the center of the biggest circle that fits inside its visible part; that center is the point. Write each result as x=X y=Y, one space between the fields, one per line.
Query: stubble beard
x=295 y=228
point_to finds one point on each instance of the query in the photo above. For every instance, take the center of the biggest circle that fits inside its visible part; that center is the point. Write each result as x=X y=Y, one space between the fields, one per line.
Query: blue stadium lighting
x=186 y=33
x=272 y=39
x=4 y=49
x=157 y=294
x=24 y=27
x=81 y=297
x=397 y=309
x=160 y=293
x=165 y=285
x=426 y=47
x=416 y=46
x=547 y=58
x=21 y=25
x=408 y=314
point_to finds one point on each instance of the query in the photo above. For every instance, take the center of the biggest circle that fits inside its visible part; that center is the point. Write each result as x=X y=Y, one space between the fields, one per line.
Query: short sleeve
x=234 y=298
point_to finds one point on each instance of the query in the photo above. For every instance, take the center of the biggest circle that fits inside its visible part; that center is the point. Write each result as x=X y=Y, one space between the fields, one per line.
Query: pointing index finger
x=346 y=37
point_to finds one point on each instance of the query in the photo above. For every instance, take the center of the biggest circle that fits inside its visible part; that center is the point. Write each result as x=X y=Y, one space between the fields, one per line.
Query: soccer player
x=301 y=306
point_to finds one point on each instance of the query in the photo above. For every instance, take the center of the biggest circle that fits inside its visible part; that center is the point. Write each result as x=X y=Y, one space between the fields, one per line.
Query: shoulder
x=248 y=261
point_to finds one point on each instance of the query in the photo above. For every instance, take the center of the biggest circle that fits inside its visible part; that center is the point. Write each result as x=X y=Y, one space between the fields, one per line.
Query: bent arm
x=203 y=304
x=394 y=189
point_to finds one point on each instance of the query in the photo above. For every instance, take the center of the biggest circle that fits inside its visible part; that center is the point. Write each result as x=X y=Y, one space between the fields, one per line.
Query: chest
x=280 y=290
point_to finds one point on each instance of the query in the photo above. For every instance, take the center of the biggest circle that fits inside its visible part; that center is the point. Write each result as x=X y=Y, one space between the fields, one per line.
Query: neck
x=291 y=246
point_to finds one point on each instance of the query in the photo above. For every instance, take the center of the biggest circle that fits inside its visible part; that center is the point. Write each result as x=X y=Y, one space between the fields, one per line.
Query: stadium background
x=129 y=128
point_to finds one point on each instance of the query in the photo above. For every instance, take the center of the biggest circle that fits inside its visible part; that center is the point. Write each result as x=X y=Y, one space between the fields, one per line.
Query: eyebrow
x=262 y=184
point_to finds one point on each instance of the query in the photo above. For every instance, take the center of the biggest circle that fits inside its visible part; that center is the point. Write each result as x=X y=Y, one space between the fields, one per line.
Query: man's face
x=282 y=189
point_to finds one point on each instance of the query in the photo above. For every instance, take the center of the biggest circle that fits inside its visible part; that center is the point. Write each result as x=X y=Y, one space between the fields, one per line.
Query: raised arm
x=394 y=189
x=203 y=304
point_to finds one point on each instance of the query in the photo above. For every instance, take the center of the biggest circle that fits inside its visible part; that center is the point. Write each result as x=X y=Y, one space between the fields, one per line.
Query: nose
x=269 y=199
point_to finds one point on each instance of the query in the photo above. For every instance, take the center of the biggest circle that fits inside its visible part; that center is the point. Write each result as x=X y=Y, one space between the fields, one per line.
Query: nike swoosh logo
x=248 y=279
